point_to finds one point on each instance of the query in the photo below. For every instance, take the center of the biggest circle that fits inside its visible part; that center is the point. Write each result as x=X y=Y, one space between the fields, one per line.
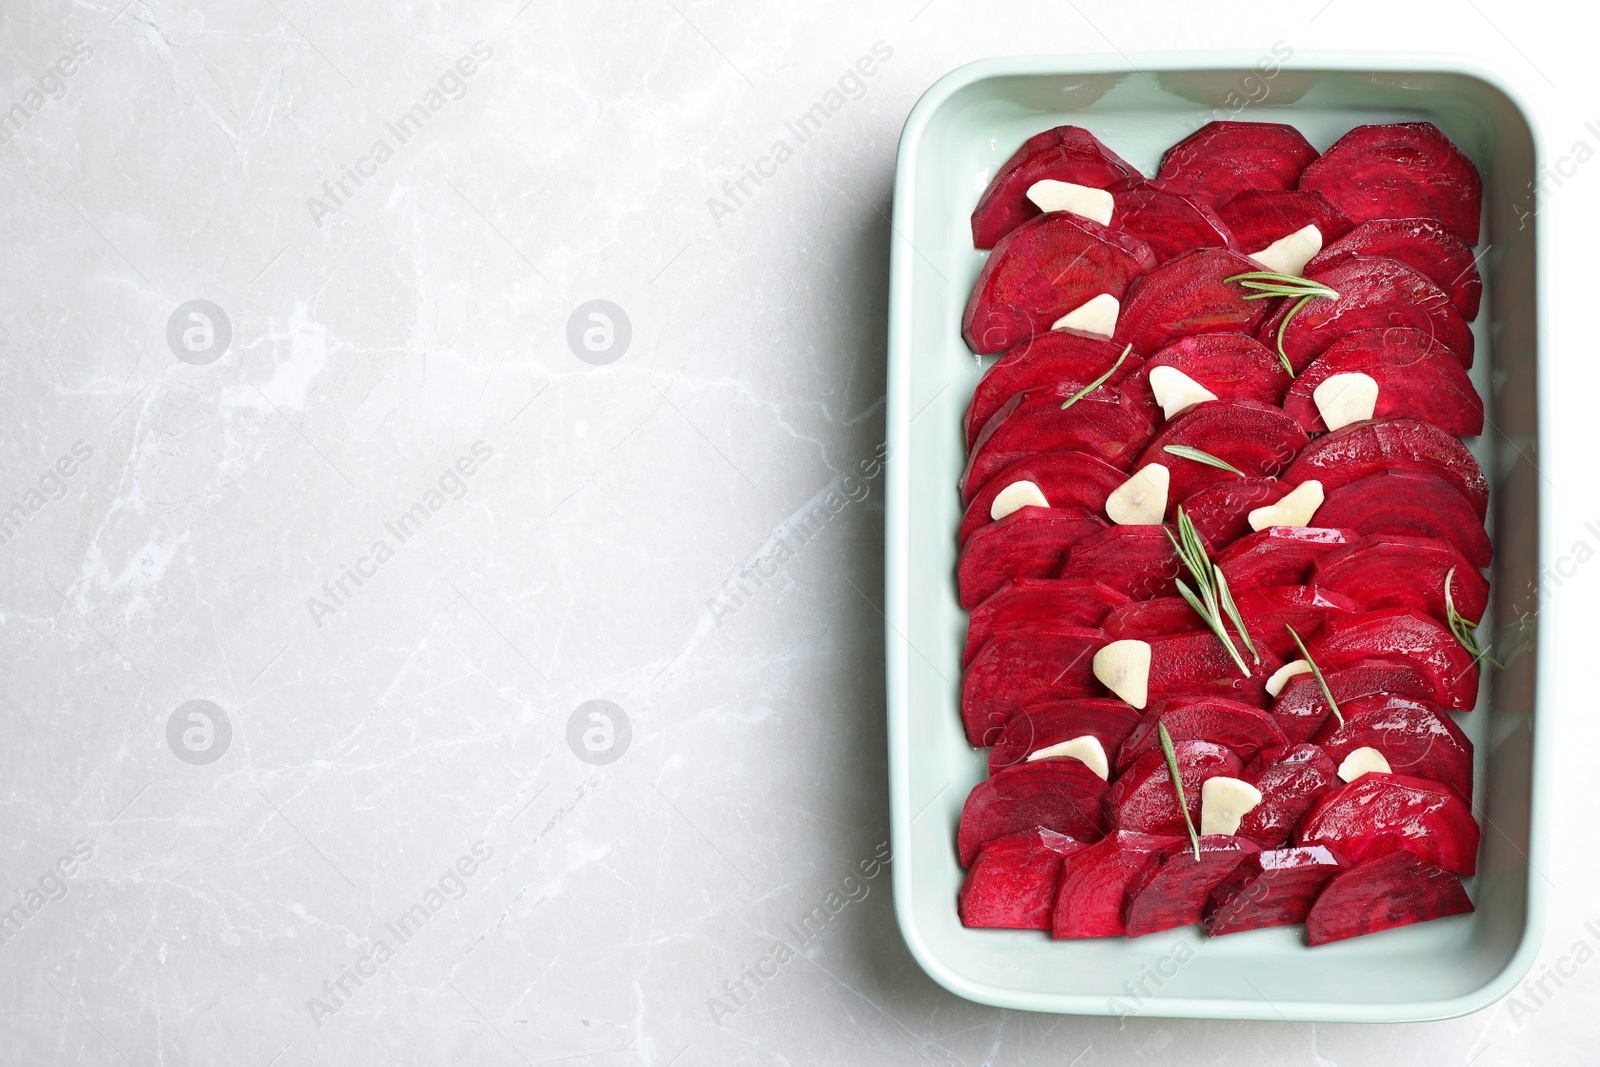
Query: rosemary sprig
x=1465 y=631
x=1177 y=783
x=1213 y=600
x=1327 y=694
x=1098 y=382
x=1266 y=284
x=1185 y=452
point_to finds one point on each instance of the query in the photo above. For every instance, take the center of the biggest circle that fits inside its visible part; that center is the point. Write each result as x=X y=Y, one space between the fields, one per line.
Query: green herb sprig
x=1177 y=783
x=1327 y=694
x=1098 y=382
x=1267 y=284
x=1185 y=452
x=1465 y=630
x=1213 y=601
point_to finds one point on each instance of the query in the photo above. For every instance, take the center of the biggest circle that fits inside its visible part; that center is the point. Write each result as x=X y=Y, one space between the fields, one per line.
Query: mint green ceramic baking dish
x=961 y=130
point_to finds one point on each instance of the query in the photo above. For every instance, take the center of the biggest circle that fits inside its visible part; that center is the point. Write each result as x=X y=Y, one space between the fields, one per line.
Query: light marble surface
x=411 y=799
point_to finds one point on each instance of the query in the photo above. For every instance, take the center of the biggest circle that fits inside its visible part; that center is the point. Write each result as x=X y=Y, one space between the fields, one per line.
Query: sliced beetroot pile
x=1103 y=424
x=1033 y=605
x=1393 y=890
x=1279 y=555
x=1189 y=294
x=1399 y=634
x=1409 y=504
x=1259 y=217
x=1414 y=736
x=1425 y=245
x=1257 y=439
x=1275 y=888
x=1395 y=571
x=1242 y=728
x=1221 y=512
x=1041 y=726
x=1059 y=362
x=1417 y=378
x=1064 y=479
x=1016 y=670
x=1403 y=170
x=1222 y=159
x=1381 y=813
x=1137 y=561
x=1030 y=543
x=1064 y=154
x=1290 y=780
x=1173 y=887
x=1169 y=223
x=1301 y=708
x=1382 y=445
x=1012 y=883
x=1089 y=902
x=1060 y=795
x=1142 y=797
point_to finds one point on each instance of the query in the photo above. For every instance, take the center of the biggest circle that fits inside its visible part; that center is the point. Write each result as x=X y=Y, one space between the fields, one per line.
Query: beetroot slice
x=1404 y=170
x=1197 y=665
x=1062 y=361
x=1244 y=729
x=1269 y=610
x=1043 y=269
x=1381 y=813
x=1095 y=882
x=1221 y=512
x=1018 y=669
x=1399 y=634
x=1067 y=479
x=1169 y=223
x=1103 y=424
x=1142 y=620
x=1043 y=725
x=1065 y=154
x=1410 y=504
x=1375 y=292
x=1234 y=366
x=1142 y=797
x=1424 y=245
x=1290 y=780
x=1222 y=159
x=1393 y=571
x=1275 y=888
x=1038 y=604
x=1054 y=794
x=1301 y=709
x=1188 y=294
x=1029 y=543
x=1257 y=438
x=1379 y=445
x=1259 y=217
x=1417 y=377
x=1415 y=738
x=1138 y=561
x=1278 y=555
x=1172 y=888
x=1393 y=890
x=1012 y=883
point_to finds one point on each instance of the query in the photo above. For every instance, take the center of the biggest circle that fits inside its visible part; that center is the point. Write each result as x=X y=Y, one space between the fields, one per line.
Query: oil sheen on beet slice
x=1169 y=223
x=1416 y=738
x=1259 y=217
x=1269 y=610
x=1301 y=709
x=1410 y=504
x=1244 y=729
x=1172 y=889
x=1393 y=890
x=1221 y=512
x=1189 y=294
x=1103 y=424
x=1025 y=544
x=1278 y=555
x=1399 y=634
x=1233 y=366
x=1037 y=604
x=1418 y=378
x=1424 y=245
x=1042 y=725
x=1017 y=670
x=1138 y=561
x=1095 y=883
x=1064 y=154
x=1381 y=813
x=1275 y=888
x=1043 y=269
x=1142 y=797
x=1258 y=439
x=1380 y=445
x=1290 y=780
x=1197 y=665
x=1222 y=159
x=1061 y=795
x=1404 y=170
x=1394 y=571
x=1012 y=883
x=1062 y=361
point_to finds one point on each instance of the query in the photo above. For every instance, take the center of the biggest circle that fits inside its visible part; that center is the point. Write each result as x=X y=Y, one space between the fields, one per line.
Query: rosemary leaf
x=1177 y=784
x=1232 y=609
x=1327 y=694
x=1465 y=630
x=1205 y=602
x=1185 y=452
x=1098 y=382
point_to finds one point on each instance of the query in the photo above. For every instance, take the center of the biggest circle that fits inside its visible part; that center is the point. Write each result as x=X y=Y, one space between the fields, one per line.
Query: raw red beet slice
x=1399 y=634
x=1171 y=890
x=1265 y=611
x=1189 y=294
x=1142 y=620
x=1103 y=424
x=1381 y=813
x=1222 y=159
x=1424 y=245
x=1275 y=888
x=1379 y=445
x=1411 y=504
x=1234 y=366
x=1053 y=794
x=1142 y=797
x=1403 y=170
x=1244 y=729
x=1290 y=780
x=1278 y=555
x=1067 y=479
x=1169 y=223
x=1221 y=512
x=1065 y=154
x=1257 y=438
x=1375 y=292
x=1095 y=883
x=1018 y=669
x=1197 y=665
x=1415 y=738
x=1392 y=571
x=1301 y=709
x=1038 y=604
x=1259 y=217
x=1063 y=361
x=1030 y=543
x=1012 y=883
x=1043 y=725
x=1393 y=890
x=1418 y=378
x=1043 y=269
x=1138 y=561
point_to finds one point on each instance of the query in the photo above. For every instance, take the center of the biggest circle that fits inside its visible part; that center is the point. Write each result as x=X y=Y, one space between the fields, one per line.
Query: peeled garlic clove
x=1345 y=398
x=1175 y=391
x=1015 y=497
x=1296 y=508
x=1142 y=499
x=1097 y=315
x=1289 y=255
x=1281 y=676
x=1224 y=802
x=1124 y=668
x=1091 y=203
x=1086 y=749
x=1363 y=761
